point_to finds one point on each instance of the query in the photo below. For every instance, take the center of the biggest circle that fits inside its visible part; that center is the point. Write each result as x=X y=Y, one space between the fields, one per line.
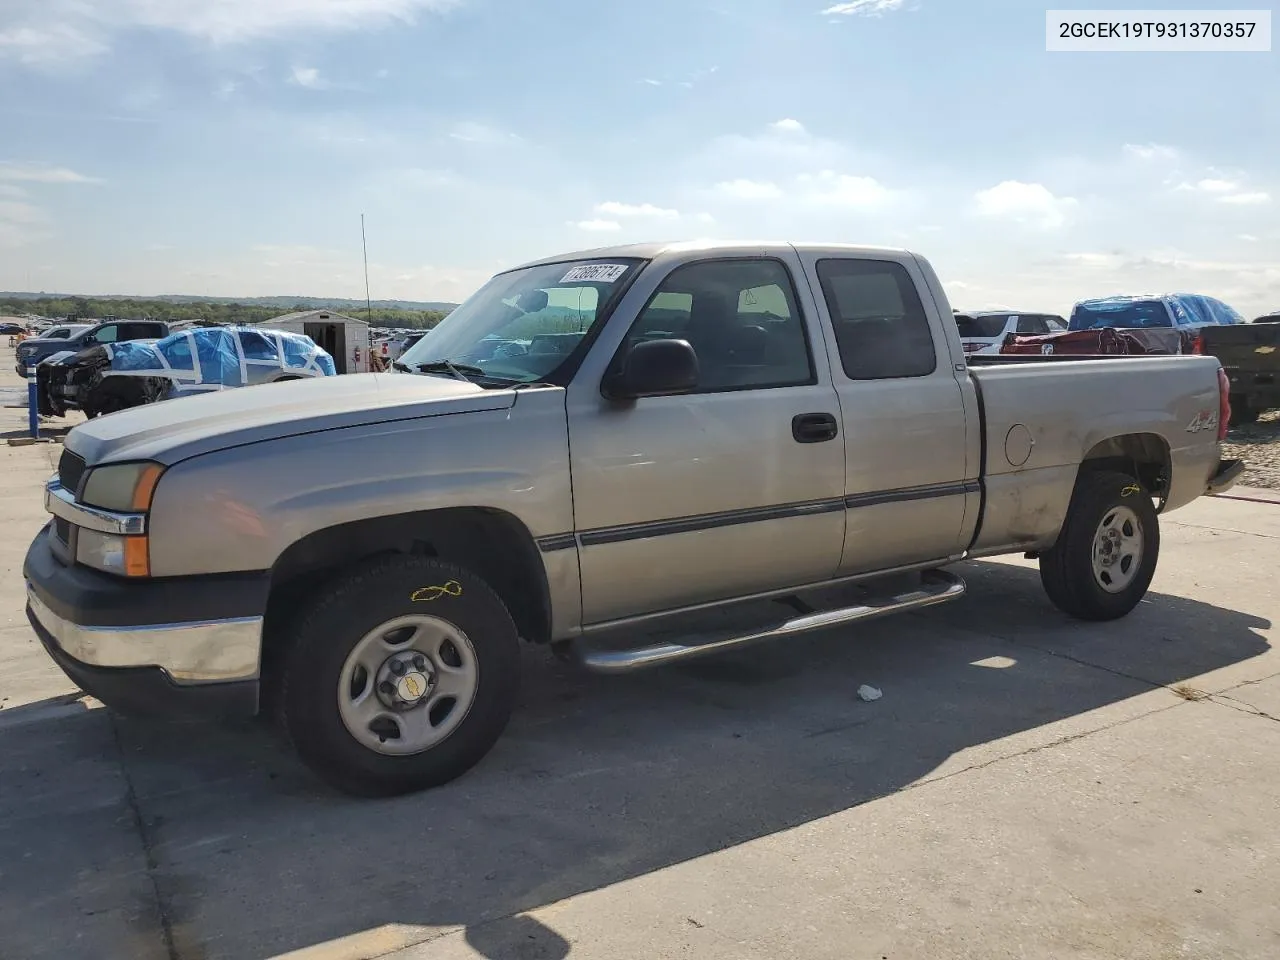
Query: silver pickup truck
x=630 y=455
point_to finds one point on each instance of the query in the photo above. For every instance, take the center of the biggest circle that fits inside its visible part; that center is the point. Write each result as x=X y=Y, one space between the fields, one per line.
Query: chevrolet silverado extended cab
x=632 y=455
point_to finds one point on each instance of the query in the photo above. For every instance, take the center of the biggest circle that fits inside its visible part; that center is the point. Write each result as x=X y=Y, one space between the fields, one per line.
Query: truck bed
x=1040 y=420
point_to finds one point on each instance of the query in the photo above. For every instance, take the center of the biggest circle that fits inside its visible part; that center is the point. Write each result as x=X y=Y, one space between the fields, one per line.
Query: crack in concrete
x=144 y=840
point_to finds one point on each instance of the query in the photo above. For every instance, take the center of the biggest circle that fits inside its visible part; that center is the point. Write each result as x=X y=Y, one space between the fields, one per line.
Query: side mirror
x=655 y=368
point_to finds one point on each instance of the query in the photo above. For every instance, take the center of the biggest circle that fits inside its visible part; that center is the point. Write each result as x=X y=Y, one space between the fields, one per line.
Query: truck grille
x=71 y=469
x=62 y=529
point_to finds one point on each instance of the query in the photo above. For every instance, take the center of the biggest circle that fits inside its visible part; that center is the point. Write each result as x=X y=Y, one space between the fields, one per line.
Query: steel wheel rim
x=407 y=685
x=1117 y=549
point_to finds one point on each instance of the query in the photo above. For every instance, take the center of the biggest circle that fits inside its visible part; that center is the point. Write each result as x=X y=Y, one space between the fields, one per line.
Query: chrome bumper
x=189 y=653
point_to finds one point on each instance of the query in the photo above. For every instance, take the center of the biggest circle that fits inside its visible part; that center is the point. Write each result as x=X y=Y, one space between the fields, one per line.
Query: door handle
x=814 y=427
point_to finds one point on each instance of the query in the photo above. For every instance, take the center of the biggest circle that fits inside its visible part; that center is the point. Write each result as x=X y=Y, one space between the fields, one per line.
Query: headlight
x=122 y=487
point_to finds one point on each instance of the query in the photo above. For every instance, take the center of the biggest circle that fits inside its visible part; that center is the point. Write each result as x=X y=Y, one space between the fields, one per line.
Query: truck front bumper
x=181 y=647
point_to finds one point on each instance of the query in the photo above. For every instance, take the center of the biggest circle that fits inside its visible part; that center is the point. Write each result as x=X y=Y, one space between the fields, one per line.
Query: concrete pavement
x=1028 y=787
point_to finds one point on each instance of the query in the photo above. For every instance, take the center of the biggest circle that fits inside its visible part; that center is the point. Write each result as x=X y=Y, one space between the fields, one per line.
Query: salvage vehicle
x=112 y=377
x=1167 y=324
x=30 y=352
x=745 y=443
x=1250 y=354
x=983 y=331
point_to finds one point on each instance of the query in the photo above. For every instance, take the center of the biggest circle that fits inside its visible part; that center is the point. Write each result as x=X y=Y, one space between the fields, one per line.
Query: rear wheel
x=401 y=678
x=1106 y=554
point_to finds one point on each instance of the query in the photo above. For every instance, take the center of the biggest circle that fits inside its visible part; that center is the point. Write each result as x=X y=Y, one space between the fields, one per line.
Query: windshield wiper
x=402 y=367
x=458 y=371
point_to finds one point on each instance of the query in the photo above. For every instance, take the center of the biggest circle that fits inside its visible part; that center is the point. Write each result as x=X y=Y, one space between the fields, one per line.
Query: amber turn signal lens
x=137 y=557
x=146 y=486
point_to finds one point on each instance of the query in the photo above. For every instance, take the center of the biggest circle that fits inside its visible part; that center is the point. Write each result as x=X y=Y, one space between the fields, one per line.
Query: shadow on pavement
x=597 y=781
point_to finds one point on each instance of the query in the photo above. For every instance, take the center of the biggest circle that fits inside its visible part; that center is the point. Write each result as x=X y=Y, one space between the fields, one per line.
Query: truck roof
x=650 y=250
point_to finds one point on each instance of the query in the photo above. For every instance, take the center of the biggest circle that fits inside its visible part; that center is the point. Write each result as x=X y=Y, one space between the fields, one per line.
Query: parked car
x=736 y=425
x=112 y=377
x=31 y=352
x=1169 y=323
x=982 y=331
x=1250 y=355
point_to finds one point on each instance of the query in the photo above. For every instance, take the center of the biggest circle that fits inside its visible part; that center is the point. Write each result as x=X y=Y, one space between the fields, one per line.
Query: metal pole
x=368 y=301
x=33 y=404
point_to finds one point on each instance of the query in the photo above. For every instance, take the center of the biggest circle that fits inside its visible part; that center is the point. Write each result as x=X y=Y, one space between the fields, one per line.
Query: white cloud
x=21 y=224
x=9 y=190
x=1150 y=151
x=472 y=132
x=750 y=189
x=40 y=173
x=1024 y=203
x=308 y=77
x=1246 y=199
x=614 y=209
x=864 y=8
x=1218 y=186
x=788 y=125
x=1247 y=237
x=598 y=226
x=48 y=44
x=844 y=190
x=651 y=82
x=47 y=32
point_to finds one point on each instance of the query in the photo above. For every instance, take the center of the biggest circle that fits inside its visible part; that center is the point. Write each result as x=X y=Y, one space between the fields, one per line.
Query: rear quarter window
x=882 y=330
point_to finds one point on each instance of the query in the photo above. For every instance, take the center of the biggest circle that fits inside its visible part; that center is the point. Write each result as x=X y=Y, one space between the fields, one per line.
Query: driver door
x=681 y=500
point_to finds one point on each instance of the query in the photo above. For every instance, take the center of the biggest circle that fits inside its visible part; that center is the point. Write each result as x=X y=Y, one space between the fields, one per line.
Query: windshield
x=1135 y=314
x=981 y=326
x=521 y=325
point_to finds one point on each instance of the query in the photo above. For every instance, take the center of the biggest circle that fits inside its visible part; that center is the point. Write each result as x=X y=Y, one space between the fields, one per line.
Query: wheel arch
x=492 y=543
x=1143 y=456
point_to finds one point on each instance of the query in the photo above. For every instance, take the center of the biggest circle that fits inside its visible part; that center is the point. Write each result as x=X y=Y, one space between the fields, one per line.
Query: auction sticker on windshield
x=595 y=272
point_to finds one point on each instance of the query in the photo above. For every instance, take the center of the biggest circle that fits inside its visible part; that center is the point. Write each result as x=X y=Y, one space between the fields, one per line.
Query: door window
x=882 y=331
x=258 y=347
x=742 y=320
x=1032 y=325
x=107 y=334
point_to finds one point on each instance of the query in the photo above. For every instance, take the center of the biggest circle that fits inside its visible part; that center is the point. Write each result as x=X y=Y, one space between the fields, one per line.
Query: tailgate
x=1249 y=347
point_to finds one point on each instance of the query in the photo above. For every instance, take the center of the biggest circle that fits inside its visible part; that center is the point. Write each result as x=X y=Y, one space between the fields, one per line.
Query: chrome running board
x=936 y=586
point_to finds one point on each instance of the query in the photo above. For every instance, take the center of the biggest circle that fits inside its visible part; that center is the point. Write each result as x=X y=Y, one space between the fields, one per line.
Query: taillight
x=1224 y=404
x=1197 y=345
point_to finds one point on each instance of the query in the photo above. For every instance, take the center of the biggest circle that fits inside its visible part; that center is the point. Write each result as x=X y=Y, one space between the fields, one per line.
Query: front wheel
x=401 y=678
x=1106 y=554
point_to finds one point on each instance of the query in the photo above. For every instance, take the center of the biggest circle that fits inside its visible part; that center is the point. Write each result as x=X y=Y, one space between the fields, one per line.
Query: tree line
x=90 y=308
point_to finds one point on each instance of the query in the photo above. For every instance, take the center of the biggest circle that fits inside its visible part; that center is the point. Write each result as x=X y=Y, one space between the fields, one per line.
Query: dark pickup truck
x=29 y=353
x=1250 y=355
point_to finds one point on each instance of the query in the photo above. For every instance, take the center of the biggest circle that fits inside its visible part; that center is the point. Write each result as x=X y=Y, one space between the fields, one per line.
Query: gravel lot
x=1258 y=444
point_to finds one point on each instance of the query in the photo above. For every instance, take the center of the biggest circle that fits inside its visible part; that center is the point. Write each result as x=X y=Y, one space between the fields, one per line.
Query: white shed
x=345 y=338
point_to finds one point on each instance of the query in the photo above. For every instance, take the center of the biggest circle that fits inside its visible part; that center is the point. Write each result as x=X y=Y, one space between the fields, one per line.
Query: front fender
x=240 y=509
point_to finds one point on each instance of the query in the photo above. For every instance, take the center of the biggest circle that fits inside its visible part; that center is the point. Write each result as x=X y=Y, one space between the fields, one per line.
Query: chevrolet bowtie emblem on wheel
x=412 y=686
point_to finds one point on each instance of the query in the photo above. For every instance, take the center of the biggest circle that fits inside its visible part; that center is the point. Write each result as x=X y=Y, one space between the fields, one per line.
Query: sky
x=229 y=147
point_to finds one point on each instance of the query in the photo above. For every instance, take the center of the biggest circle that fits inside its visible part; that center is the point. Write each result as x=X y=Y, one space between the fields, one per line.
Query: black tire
x=1242 y=412
x=323 y=637
x=1066 y=570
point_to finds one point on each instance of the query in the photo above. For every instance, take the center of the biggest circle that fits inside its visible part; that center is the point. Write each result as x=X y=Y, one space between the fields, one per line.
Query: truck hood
x=176 y=430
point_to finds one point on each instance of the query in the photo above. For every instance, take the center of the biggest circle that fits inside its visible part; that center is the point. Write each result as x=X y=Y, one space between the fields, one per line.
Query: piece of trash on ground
x=869 y=694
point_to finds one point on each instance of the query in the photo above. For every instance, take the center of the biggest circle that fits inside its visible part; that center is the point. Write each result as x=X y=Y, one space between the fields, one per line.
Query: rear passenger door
x=903 y=414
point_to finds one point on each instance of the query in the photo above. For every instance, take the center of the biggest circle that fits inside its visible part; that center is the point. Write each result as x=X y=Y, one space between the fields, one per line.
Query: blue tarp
x=215 y=358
